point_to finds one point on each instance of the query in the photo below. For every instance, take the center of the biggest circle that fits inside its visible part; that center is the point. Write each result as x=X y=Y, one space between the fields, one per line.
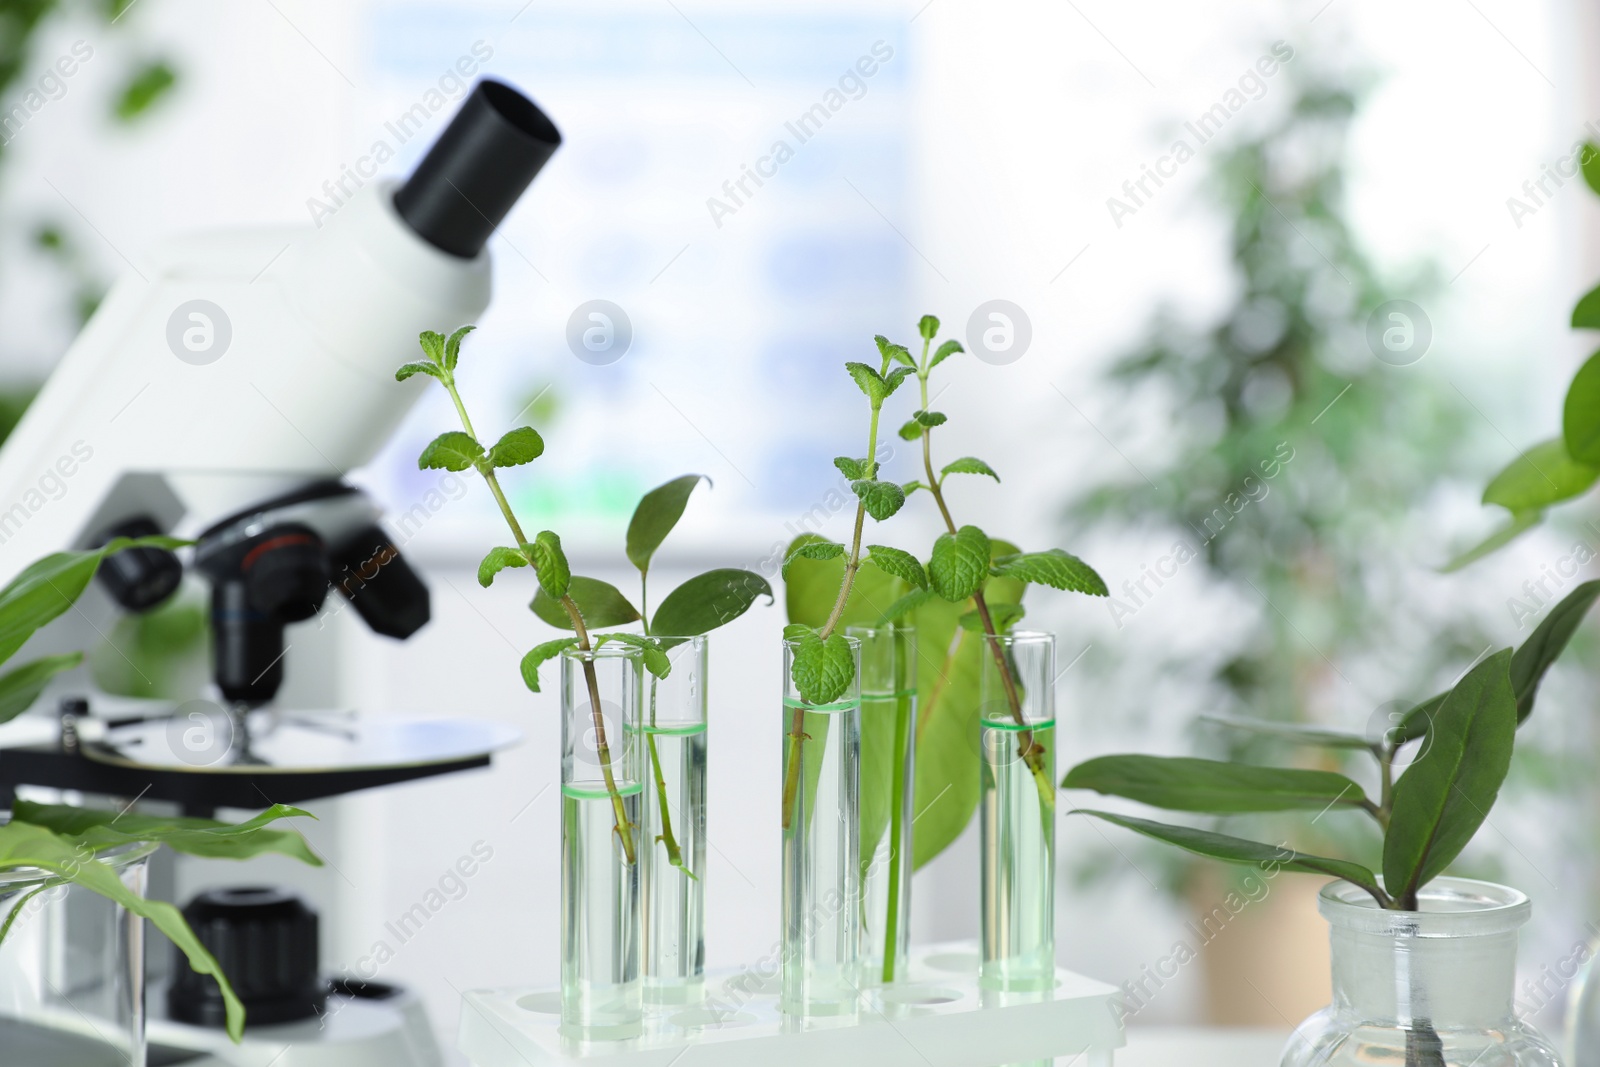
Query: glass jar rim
x=893 y=626
x=1023 y=637
x=117 y=858
x=609 y=650
x=794 y=642
x=1451 y=907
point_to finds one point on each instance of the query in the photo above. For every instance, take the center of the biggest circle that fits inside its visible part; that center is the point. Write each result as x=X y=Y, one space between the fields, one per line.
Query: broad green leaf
x=600 y=603
x=452 y=349
x=25 y=845
x=417 y=366
x=1586 y=314
x=927 y=326
x=1055 y=568
x=102 y=829
x=823 y=669
x=451 y=451
x=911 y=431
x=959 y=564
x=49 y=586
x=903 y=565
x=946 y=350
x=539 y=654
x=1520 y=523
x=968 y=465
x=881 y=499
x=869 y=381
x=1447 y=791
x=811 y=585
x=550 y=563
x=498 y=559
x=519 y=446
x=1293 y=732
x=432 y=345
x=1580 y=414
x=657 y=513
x=1238 y=850
x=1004 y=617
x=21 y=687
x=1589 y=163
x=1414 y=723
x=811 y=550
x=1217 y=787
x=1541 y=476
x=708 y=601
x=906 y=604
x=1546 y=643
x=854 y=469
x=932 y=418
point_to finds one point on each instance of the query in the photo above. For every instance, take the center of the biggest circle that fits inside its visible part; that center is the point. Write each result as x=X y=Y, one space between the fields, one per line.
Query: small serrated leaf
x=959 y=564
x=898 y=562
x=911 y=487
x=550 y=562
x=927 y=326
x=869 y=381
x=1055 y=568
x=452 y=451
x=498 y=559
x=931 y=418
x=432 y=345
x=896 y=376
x=969 y=465
x=823 y=670
x=851 y=468
x=416 y=366
x=911 y=431
x=881 y=499
x=538 y=655
x=452 y=347
x=945 y=351
x=813 y=550
x=519 y=446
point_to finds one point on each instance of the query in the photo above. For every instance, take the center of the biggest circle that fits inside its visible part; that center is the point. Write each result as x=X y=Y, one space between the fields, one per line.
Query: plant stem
x=1031 y=751
x=624 y=826
x=668 y=841
x=897 y=812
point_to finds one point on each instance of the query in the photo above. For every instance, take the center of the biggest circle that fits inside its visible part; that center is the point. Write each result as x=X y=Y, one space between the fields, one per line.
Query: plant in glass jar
x=1423 y=965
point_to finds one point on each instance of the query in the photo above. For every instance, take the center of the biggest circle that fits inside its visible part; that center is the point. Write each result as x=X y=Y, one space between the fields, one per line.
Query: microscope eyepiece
x=466 y=184
x=139 y=579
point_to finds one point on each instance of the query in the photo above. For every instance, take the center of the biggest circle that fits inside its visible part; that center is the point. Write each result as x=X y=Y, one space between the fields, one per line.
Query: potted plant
x=1423 y=965
x=45 y=848
x=633 y=753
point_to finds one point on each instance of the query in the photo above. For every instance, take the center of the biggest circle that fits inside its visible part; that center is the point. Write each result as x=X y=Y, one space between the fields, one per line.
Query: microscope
x=222 y=396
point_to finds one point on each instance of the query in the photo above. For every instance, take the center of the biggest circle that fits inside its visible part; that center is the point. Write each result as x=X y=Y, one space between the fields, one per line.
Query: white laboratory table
x=1169 y=1046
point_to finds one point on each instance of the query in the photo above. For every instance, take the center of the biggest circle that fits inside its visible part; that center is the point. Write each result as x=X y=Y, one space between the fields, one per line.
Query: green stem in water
x=624 y=826
x=897 y=814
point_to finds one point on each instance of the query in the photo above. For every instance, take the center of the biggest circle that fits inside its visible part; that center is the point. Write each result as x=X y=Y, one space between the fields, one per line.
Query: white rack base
x=939 y=1018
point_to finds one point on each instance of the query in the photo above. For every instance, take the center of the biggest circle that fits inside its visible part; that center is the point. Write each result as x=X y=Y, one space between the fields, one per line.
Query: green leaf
x=946 y=350
x=1541 y=476
x=498 y=559
x=911 y=487
x=1447 y=791
x=823 y=670
x=811 y=550
x=1530 y=662
x=901 y=564
x=1238 y=850
x=21 y=687
x=911 y=431
x=1055 y=568
x=869 y=381
x=1520 y=523
x=1589 y=162
x=208 y=838
x=539 y=654
x=1217 y=787
x=452 y=351
x=854 y=469
x=1004 y=617
x=417 y=366
x=931 y=419
x=1586 y=314
x=148 y=85
x=893 y=352
x=906 y=604
x=1580 y=415
x=451 y=451
x=519 y=446
x=811 y=585
x=25 y=845
x=654 y=657
x=49 y=586
x=1293 y=732
x=881 y=499
x=896 y=376
x=432 y=345
x=550 y=563
x=959 y=563
x=658 y=512
x=708 y=601
x=600 y=603
x=927 y=326
x=968 y=465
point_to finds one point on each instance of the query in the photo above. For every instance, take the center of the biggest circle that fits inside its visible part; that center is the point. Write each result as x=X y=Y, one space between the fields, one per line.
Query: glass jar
x=821 y=820
x=888 y=774
x=601 y=837
x=72 y=969
x=1016 y=811
x=1428 y=988
x=674 y=851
